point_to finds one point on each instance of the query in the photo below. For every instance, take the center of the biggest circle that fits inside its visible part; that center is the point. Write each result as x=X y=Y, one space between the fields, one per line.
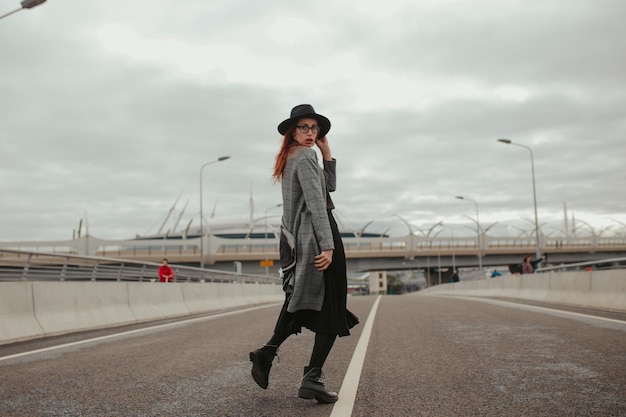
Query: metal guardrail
x=600 y=264
x=16 y=265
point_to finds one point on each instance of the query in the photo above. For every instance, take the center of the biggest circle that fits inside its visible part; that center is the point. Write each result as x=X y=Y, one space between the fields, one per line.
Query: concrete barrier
x=263 y=292
x=156 y=300
x=572 y=288
x=202 y=297
x=62 y=307
x=596 y=289
x=609 y=289
x=271 y=293
x=534 y=287
x=17 y=312
x=511 y=285
x=29 y=310
x=231 y=294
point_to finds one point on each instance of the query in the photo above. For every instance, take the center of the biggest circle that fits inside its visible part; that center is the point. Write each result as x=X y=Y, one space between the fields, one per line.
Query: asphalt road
x=425 y=356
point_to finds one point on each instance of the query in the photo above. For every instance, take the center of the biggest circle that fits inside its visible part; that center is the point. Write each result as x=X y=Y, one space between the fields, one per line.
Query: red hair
x=285 y=149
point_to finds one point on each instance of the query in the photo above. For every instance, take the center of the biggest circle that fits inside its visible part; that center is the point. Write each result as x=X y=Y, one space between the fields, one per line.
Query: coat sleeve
x=311 y=181
x=330 y=168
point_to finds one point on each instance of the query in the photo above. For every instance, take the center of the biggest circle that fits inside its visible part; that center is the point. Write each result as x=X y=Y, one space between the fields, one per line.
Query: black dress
x=334 y=318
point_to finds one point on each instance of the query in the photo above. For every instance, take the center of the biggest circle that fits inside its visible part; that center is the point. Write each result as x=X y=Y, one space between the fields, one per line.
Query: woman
x=313 y=261
x=527 y=266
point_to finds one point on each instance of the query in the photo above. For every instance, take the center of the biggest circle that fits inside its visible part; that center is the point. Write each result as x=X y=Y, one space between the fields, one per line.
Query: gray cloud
x=115 y=132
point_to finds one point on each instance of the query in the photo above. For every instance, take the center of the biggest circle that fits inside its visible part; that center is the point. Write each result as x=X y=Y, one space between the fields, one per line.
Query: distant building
x=378 y=282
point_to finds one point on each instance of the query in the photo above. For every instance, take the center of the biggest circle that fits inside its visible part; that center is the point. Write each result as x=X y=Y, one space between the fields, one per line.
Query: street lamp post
x=267 y=270
x=26 y=4
x=480 y=256
x=439 y=263
x=453 y=243
x=410 y=251
x=532 y=168
x=220 y=159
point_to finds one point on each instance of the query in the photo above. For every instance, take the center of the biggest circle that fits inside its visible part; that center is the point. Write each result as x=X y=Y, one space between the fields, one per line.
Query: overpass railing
x=403 y=246
x=27 y=265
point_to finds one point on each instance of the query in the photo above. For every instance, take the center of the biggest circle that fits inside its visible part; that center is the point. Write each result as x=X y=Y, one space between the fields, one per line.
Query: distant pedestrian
x=455 y=276
x=495 y=273
x=166 y=273
x=527 y=266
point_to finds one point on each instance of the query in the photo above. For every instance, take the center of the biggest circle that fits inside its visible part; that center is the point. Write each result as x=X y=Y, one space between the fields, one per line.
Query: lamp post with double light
x=480 y=255
x=26 y=4
x=220 y=159
x=532 y=168
x=410 y=250
x=267 y=270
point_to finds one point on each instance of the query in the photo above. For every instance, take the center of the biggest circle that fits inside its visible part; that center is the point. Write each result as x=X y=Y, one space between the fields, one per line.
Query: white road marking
x=542 y=309
x=347 y=393
x=145 y=329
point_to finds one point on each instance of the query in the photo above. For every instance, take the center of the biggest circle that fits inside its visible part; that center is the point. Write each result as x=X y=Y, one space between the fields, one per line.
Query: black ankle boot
x=262 y=363
x=313 y=387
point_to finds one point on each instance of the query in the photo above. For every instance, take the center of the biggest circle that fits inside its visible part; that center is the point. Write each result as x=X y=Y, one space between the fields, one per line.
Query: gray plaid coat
x=305 y=216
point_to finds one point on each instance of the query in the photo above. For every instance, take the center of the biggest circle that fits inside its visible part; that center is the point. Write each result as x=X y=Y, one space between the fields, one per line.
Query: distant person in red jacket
x=166 y=273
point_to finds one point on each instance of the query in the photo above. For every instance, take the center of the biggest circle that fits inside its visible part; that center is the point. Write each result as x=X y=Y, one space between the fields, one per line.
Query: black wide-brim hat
x=303 y=111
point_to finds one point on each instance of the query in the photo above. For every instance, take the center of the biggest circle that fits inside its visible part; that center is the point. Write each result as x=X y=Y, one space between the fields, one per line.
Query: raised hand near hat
x=322 y=144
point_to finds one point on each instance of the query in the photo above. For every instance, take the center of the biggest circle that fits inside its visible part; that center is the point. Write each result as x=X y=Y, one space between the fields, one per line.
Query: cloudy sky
x=108 y=109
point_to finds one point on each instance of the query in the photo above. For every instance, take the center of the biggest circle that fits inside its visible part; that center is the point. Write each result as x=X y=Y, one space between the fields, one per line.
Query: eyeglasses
x=306 y=128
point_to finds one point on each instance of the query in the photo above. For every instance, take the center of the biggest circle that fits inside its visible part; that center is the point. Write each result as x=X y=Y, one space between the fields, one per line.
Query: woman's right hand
x=322 y=144
x=324 y=259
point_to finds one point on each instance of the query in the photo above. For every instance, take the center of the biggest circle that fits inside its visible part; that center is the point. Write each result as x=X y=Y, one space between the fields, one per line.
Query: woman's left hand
x=324 y=259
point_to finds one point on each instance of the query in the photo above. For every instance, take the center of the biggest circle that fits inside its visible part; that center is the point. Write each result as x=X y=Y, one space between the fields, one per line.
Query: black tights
x=321 y=348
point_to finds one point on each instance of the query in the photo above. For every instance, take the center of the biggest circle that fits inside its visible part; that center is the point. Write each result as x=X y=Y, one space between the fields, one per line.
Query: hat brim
x=322 y=122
